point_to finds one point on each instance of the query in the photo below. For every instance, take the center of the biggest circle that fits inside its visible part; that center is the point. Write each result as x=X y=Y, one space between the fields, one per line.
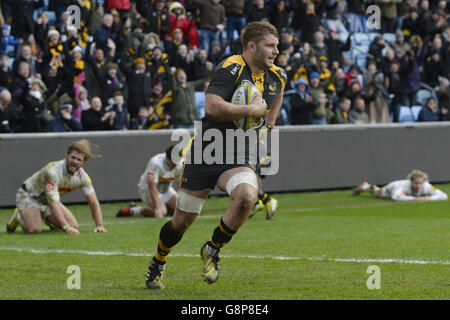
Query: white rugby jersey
x=401 y=190
x=54 y=180
x=159 y=172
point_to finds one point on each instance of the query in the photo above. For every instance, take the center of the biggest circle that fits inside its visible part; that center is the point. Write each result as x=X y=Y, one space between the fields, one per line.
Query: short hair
x=417 y=174
x=169 y=152
x=255 y=30
x=85 y=147
x=117 y=93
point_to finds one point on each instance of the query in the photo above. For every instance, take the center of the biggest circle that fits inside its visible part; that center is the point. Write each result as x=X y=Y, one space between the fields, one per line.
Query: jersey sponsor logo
x=162 y=179
x=235 y=69
x=49 y=186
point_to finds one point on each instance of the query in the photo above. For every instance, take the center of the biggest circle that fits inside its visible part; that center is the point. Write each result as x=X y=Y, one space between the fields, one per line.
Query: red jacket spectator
x=118 y=5
x=178 y=20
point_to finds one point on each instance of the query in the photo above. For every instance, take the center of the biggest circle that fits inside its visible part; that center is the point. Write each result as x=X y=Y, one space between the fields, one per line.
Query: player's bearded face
x=266 y=51
x=74 y=161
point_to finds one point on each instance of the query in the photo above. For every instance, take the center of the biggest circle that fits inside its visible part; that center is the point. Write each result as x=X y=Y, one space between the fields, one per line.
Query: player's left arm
x=434 y=194
x=272 y=115
x=96 y=211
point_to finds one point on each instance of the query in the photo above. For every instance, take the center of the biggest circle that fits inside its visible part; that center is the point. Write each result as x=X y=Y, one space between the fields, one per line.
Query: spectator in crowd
x=96 y=118
x=259 y=11
x=121 y=119
x=183 y=112
x=26 y=55
x=212 y=22
x=358 y=114
x=235 y=11
x=411 y=25
x=342 y=114
x=400 y=45
x=64 y=121
x=139 y=82
x=112 y=83
x=315 y=36
x=336 y=49
x=156 y=18
x=36 y=115
x=7 y=40
x=22 y=16
x=430 y=112
x=301 y=104
x=142 y=122
x=376 y=94
x=105 y=32
x=6 y=75
x=179 y=19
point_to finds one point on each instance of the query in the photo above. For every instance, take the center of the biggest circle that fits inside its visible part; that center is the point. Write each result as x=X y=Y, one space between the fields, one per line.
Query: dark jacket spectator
x=96 y=118
x=336 y=48
x=139 y=82
x=64 y=121
x=430 y=112
x=22 y=16
x=301 y=104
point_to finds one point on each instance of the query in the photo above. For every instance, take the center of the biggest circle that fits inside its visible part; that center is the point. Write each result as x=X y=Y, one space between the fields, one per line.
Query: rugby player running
x=255 y=64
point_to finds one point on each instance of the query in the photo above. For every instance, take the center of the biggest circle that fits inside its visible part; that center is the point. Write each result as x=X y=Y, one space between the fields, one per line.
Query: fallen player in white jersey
x=155 y=188
x=39 y=196
x=415 y=188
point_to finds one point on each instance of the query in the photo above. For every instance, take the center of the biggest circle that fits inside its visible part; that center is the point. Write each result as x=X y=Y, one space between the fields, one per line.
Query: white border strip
x=116 y=253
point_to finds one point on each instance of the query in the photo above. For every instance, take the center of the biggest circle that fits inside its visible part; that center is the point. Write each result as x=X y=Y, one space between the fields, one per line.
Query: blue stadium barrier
x=405 y=114
x=415 y=112
x=358 y=23
x=423 y=95
x=389 y=37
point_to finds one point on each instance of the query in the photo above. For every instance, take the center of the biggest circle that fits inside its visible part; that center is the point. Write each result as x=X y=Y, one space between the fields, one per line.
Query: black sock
x=221 y=235
x=168 y=238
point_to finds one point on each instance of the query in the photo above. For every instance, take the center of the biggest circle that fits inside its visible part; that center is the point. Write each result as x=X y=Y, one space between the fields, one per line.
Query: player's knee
x=245 y=199
x=32 y=230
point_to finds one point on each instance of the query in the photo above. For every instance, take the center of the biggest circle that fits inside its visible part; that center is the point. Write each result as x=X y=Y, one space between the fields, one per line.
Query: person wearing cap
x=64 y=121
x=179 y=18
x=400 y=45
x=139 y=82
x=7 y=39
x=317 y=90
x=301 y=104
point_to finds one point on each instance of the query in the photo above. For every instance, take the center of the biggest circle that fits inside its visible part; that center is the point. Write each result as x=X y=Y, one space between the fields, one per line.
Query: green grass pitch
x=319 y=245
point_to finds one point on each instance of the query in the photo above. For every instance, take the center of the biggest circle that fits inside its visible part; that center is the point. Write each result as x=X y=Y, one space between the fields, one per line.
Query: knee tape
x=188 y=203
x=240 y=178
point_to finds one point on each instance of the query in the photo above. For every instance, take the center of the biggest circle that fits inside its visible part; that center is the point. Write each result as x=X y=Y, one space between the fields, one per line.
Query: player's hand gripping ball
x=244 y=95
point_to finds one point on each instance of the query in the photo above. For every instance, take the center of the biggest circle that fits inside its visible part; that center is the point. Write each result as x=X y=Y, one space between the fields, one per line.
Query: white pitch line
x=116 y=253
x=215 y=216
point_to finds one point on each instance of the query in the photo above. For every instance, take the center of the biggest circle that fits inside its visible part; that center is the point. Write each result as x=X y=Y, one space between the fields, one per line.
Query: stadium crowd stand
x=125 y=53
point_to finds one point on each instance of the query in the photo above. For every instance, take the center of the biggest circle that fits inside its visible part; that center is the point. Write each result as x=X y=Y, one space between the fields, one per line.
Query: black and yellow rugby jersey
x=228 y=76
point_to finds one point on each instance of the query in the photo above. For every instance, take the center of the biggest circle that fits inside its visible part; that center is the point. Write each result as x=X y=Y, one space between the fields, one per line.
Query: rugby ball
x=244 y=94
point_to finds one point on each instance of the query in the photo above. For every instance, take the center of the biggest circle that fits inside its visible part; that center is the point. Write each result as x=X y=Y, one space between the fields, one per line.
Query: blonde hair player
x=38 y=198
x=414 y=188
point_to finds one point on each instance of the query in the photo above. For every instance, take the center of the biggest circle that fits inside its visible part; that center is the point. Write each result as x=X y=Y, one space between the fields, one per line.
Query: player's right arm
x=217 y=109
x=53 y=200
x=160 y=207
x=152 y=180
x=221 y=89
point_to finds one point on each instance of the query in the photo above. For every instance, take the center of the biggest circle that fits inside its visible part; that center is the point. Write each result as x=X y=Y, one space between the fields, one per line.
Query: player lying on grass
x=415 y=188
x=155 y=188
x=39 y=196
